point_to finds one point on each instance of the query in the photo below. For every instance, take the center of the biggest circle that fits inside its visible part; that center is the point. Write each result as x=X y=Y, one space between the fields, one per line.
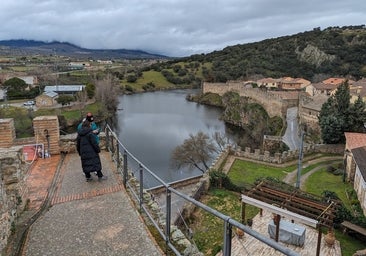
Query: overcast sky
x=171 y=27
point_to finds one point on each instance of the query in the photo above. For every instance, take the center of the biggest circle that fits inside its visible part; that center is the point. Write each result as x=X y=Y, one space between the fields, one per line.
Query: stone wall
x=286 y=156
x=7 y=132
x=14 y=168
x=12 y=189
x=274 y=104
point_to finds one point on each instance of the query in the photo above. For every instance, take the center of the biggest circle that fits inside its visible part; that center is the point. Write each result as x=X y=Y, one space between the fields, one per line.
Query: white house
x=359 y=183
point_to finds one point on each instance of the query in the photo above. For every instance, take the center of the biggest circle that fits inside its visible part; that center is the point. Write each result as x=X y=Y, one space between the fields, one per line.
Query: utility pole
x=300 y=160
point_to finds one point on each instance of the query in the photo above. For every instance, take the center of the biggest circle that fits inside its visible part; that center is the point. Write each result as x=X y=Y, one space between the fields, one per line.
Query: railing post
x=112 y=144
x=227 y=238
x=107 y=138
x=168 y=214
x=125 y=168
x=118 y=157
x=141 y=186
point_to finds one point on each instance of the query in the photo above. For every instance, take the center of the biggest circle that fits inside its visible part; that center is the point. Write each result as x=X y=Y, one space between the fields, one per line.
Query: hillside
x=31 y=47
x=313 y=55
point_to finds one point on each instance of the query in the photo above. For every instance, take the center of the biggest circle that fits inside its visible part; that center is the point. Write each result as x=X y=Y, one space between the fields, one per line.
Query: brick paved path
x=86 y=218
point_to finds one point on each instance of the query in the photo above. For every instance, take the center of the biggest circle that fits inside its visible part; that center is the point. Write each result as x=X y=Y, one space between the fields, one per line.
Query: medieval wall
x=274 y=104
x=286 y=156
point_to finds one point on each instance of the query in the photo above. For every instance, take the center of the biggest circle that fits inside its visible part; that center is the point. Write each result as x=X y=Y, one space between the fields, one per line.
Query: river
x=151 y=125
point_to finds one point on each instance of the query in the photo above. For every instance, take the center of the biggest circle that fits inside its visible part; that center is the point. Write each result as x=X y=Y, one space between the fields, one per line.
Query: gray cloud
x=170 y=27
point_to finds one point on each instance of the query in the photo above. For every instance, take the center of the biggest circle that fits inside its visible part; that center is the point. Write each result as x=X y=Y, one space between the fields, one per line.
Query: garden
x=207 y=229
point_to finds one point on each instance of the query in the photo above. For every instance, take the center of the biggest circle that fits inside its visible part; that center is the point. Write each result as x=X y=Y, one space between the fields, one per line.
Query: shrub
x=219 y=179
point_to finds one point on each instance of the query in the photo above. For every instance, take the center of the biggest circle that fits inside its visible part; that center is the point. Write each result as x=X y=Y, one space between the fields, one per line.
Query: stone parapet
x=286 y=156
x=7 y=132
x=13 y=192
x=47 y=132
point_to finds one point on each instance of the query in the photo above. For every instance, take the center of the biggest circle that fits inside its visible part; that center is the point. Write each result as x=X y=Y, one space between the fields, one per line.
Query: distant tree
x=15 y=87
x=90 y=90
x=357 y=115
x=195 y=152
x=65 y=99
x=131 y=78
x=106 y=93
x=338 y=115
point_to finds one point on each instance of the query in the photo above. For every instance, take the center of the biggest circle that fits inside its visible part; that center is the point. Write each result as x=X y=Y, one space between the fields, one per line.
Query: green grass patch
x=348 y=245
x=322 y=180
x=248 y=172
x=208 y=229
x=333 y=163
x=150 y=77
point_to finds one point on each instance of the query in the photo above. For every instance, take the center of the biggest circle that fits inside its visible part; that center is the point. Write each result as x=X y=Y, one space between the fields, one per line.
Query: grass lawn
x=208 y=229
x=248 y=172
x=150 y=76
x=322 y=180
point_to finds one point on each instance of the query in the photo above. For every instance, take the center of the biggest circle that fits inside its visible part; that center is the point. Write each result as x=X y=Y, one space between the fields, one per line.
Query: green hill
x=313 y=55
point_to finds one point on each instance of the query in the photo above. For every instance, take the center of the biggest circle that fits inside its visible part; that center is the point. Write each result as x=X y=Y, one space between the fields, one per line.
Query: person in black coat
x=88 y=149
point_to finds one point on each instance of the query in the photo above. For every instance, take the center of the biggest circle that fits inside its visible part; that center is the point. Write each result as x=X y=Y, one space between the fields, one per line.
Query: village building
x=289 y=83
x=79 y=65
x=358 y=88
x=309 y=110
x=359 y=182
x=268 y=83
x=65 y=89
x=321 y=88
x=334 y=81
x=46 y=99
x=353 y=140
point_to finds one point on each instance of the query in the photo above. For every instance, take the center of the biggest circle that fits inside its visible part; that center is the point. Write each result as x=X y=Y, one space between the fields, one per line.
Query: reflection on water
x=151 y=125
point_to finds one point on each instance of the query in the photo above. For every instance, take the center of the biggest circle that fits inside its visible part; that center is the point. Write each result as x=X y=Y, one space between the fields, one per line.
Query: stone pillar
x=7 y=132
x=47 y=132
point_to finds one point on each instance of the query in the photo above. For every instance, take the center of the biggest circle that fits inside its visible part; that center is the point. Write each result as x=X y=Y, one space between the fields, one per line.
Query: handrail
x=114 y=145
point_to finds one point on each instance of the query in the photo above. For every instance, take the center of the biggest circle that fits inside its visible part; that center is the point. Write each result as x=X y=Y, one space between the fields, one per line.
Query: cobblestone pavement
x=85 y=218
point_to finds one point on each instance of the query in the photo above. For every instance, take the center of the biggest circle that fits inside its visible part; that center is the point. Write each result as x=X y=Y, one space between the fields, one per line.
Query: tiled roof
x=323 y=86
x=334 y=81
x=359 y=155
x=355 y=140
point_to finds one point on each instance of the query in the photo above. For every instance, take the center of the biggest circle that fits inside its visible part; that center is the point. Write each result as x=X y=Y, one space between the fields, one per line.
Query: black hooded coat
x=88 y=149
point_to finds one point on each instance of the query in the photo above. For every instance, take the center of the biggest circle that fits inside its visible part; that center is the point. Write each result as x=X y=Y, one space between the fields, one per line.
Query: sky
x=174 y=28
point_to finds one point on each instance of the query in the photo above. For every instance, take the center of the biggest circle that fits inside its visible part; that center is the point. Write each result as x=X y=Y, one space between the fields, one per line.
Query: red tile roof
x=355 y=140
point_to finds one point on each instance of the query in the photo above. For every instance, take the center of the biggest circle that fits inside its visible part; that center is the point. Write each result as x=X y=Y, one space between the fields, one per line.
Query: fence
x=134 y=173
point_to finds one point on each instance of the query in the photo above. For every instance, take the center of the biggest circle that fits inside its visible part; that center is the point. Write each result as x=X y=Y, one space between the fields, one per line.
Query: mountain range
x=23 y=47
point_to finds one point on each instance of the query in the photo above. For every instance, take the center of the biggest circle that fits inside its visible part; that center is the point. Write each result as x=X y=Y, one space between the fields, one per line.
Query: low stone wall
x=286 y=156
x=67 y=143
x=13 y=192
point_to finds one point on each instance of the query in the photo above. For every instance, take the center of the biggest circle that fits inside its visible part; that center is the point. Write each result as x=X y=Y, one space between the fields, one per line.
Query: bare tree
x=106 y=92
x=220 y=139
x=195 y=152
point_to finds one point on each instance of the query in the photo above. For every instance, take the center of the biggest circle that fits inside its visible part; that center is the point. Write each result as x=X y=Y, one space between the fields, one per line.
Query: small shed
x=46 y=99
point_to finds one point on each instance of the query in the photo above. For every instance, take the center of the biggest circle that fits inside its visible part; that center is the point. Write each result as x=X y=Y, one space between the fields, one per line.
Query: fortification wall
x=274 y=104
x=286 y=156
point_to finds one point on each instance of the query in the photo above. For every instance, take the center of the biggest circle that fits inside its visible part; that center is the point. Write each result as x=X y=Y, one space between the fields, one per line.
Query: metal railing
x=133 y=170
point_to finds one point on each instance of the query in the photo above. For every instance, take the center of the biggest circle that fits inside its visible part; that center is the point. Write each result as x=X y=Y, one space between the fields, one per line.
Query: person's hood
x=84 y=131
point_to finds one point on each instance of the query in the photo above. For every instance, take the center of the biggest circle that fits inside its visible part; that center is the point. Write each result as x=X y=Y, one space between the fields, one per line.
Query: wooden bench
x=347 y=226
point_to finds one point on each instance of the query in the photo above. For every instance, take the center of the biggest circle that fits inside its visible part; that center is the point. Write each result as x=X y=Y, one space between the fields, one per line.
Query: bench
x=347 y=226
